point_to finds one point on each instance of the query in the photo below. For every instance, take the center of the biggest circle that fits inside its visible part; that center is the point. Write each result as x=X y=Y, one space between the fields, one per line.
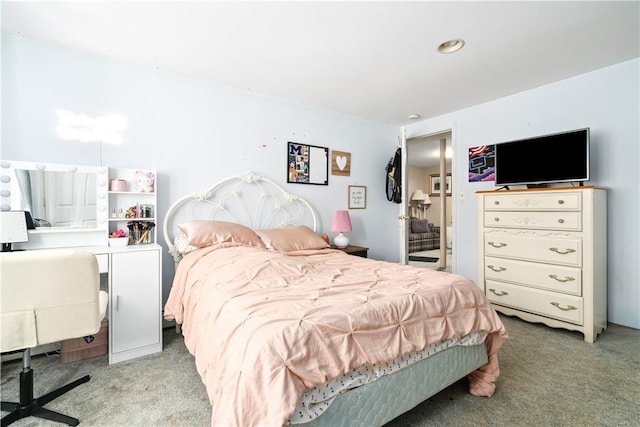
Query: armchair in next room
x=423 y=236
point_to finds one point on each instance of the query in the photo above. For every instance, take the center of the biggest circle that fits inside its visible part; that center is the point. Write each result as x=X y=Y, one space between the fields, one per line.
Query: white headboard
x=251 y=200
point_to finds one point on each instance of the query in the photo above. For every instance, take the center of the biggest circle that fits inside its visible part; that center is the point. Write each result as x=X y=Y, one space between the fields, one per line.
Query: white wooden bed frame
x=259 y=203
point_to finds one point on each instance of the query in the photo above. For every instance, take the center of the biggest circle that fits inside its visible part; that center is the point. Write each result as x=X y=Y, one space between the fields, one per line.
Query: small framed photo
x=434 y=185
x=357 y=197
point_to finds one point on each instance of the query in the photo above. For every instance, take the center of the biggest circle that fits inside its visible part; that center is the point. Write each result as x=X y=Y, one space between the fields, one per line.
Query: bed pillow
x=205 y=233
x=419 y=226
x=181 y=243
x=288 y=239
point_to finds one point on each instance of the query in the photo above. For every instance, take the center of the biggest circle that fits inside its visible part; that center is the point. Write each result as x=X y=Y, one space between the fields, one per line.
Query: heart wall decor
x=340 y=163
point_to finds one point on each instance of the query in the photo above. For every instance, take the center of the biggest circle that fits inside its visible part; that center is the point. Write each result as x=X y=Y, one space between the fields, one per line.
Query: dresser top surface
x=527 y=190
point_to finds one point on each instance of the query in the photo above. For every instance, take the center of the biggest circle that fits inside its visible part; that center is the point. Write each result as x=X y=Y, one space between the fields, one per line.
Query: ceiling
x=424 y=151
x=372 y=60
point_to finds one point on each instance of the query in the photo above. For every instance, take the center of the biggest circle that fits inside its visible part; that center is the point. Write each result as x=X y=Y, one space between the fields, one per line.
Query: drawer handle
x=497 y=245
x=565 y=252
x=498 y=269
x=561 y=221
x=496 y=219
x=566 y=278
x=567 y=308
x=561 y=202
x=501 y=293
x=496 y=202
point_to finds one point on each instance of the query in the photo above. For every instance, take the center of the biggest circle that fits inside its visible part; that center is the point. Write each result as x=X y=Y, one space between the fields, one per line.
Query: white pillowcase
x=182 y=244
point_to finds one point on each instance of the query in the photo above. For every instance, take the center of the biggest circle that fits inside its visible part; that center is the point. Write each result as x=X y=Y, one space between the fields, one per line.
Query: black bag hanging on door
x=394 y=178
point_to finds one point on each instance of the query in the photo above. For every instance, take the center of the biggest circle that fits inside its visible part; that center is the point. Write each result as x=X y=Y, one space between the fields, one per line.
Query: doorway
x=429 y=233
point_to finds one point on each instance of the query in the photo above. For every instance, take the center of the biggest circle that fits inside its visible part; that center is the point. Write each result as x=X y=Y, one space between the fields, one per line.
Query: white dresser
x=543 y=255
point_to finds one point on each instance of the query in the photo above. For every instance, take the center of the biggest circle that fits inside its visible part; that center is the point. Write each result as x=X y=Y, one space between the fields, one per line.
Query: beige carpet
x=549 y=377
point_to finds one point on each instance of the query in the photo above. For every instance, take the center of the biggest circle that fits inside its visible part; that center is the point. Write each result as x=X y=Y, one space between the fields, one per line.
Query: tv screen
x=560 y=157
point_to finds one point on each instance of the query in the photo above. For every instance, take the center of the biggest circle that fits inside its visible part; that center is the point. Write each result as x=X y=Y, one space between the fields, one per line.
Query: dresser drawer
x=555 y=305
x=541 y=249
x=551 y=277
x=567 y=221
x=568 y=201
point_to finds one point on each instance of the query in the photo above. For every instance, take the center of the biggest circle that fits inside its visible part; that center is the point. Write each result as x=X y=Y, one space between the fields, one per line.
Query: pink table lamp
x=341 y=224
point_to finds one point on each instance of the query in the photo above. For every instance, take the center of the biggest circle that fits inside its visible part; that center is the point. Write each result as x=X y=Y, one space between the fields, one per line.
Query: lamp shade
x=427 y=200
x=418 y=195
x=341 y=222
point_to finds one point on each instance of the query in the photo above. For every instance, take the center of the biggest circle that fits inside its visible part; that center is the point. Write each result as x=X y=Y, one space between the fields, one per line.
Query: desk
x=131 y=275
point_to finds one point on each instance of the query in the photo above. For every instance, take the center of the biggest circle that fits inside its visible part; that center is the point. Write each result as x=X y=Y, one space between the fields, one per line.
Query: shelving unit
x=135 y=292
x=121 y=201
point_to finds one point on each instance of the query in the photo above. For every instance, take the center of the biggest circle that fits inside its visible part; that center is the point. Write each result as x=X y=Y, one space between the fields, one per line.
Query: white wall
x=196 y=133
x=607 y=101
x=193 y=132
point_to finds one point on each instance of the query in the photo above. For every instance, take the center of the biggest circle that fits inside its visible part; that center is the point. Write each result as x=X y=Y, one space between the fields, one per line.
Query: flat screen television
x=537 y=161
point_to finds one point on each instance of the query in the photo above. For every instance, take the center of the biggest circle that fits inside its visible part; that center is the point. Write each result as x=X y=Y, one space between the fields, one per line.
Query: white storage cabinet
x=135 y=302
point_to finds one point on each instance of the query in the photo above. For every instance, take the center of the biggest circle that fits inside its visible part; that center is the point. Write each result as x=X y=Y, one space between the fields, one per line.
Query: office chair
x=46 y=296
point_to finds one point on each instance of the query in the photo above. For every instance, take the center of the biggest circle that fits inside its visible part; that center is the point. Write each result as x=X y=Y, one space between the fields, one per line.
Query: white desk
x=131 y=275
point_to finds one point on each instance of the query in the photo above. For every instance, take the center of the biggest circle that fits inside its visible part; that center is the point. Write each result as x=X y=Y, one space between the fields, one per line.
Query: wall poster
x=482 y=163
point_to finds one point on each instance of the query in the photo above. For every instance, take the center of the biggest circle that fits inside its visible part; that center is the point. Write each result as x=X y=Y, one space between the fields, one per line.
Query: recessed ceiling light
x=414 y=116
x=451 y=46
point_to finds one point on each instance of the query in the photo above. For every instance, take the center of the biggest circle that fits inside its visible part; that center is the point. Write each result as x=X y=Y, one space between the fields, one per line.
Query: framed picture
x=434 y=185
x=307 y=164
x=357 y=197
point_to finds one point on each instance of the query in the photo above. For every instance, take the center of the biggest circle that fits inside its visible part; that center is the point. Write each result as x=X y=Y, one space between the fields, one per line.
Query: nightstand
x=354 y=250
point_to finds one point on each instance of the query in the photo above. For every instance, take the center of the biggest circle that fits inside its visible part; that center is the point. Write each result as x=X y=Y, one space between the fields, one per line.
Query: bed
x=286 y=330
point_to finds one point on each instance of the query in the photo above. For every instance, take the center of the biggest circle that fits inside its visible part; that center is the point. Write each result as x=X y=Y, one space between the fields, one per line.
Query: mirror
x=307 y=164
x=57 y=196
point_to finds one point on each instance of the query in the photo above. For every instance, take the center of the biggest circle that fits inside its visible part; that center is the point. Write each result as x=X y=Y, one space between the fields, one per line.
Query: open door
x=428 y=162
x=403 y=216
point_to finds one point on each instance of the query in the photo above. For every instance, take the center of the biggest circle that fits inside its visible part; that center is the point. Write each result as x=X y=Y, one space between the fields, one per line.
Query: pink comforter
x=264 y=326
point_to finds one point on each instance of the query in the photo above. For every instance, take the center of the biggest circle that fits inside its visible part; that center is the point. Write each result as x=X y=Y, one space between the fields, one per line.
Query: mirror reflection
x=57 y=199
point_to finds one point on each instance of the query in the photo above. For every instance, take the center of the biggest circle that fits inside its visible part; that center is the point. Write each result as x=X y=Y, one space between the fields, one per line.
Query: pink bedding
x=265 y=326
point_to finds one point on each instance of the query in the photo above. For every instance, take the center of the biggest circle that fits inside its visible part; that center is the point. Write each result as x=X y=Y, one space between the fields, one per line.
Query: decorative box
x=118 y=185
x=78 y=349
